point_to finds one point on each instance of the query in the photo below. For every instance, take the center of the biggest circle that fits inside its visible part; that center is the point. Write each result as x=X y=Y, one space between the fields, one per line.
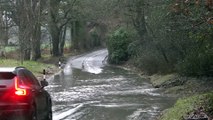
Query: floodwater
x=89 y=89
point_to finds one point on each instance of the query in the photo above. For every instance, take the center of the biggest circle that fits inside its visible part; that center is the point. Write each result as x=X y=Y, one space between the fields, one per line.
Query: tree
x=29 y=12
x=59 y=16
x=4 y=27
x=36 y=31
x=26 y=15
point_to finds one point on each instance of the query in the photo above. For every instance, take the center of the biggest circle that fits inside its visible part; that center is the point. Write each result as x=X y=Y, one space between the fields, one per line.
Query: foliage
x=95 y=37
x=182 y=107
x=151 y=51
x=171 y=35
x=187 y=105
x=174 y=36
x=117 y=46
x=197 y=64
x=198 y=54
x=195 y=47
x=208 y=103
x=146 y=57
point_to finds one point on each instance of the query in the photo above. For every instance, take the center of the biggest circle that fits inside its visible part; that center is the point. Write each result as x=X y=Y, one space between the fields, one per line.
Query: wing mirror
x=44 y=82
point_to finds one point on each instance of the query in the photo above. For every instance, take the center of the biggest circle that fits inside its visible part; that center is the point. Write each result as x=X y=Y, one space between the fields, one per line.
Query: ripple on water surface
x=112 y=95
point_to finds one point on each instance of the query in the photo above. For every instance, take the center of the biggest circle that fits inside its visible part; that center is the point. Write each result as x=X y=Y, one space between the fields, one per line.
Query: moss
x=158 y=80
x=186 y=105
x=208 y=103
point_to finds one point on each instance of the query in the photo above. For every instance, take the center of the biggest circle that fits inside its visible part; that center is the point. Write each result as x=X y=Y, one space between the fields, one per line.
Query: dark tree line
x=160 y=36
x=171 y=36
x=57 y=17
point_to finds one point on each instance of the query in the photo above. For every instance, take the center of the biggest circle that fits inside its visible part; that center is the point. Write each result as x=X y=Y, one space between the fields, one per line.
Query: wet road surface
x=89 y=89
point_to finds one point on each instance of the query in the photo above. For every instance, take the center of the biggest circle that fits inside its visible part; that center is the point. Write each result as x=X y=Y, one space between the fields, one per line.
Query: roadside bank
x=35 y=67
x=195 y=94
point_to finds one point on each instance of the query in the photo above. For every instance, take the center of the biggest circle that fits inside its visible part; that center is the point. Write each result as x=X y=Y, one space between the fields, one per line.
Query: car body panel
x=12 y=104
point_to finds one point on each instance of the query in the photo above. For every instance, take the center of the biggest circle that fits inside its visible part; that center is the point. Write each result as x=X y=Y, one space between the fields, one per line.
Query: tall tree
x=35 y=11
x=136 y=12
x=5 y=22
x=4 y=27
x=26 y=15
x=59 y=16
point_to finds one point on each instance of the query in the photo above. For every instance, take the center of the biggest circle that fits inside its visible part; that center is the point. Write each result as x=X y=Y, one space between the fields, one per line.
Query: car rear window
x=6 y=75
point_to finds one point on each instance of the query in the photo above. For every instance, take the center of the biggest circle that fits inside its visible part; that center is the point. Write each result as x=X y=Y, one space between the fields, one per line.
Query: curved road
x=88 y=89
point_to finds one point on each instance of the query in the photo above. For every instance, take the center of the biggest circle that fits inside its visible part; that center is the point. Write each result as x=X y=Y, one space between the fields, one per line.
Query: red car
x=22 y=96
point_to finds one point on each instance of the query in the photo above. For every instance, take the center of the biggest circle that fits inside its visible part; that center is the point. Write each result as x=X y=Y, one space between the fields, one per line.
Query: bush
x=117 y=46
x=148 y=63
x=146 y=56
x=197 y=64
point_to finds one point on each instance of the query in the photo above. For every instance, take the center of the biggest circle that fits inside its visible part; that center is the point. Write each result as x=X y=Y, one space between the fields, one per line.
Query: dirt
x=198 y=114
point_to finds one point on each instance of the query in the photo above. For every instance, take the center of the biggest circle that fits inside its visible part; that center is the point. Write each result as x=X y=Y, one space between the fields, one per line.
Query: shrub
x=146 y=56
x=197 y=64
x=117 y=46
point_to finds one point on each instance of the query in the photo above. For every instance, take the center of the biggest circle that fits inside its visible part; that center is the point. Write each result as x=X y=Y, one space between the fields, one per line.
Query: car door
x=40 y=95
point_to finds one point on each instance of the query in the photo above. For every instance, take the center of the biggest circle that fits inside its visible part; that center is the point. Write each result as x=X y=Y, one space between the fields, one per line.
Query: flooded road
x=89 y=89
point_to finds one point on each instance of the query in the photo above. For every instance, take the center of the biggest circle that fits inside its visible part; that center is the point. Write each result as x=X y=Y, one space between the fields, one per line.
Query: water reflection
x=114 y=94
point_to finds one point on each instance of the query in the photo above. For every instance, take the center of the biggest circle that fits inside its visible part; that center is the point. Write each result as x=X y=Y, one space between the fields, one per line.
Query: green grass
x=10 y=48
x=35 y=67
x=187 y=105
x=158 y=80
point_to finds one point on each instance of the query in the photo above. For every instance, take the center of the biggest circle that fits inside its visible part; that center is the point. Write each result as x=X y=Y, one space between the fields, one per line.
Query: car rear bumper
x=11 y=110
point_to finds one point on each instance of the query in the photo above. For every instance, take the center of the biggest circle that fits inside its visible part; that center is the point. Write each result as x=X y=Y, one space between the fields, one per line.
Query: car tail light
x=19 y=91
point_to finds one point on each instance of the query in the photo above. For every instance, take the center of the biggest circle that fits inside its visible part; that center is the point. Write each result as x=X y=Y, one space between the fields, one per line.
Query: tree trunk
x=81 y=37
x=24 y=40
x=6 y=32
x=25 y=28
x=62 y=40
x=75 y=42
x=55 y=34
x=53 y=26
x=55 y=43
x=140 y=22
x=137 y=9
x=36 y=32
x=4 y=29
x=36 y=37
x=158 y=46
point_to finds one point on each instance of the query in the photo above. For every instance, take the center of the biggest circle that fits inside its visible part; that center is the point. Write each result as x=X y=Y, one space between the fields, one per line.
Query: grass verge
x=194 y=93
x=159 y=80
x=187 y=105
x=35 y=67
